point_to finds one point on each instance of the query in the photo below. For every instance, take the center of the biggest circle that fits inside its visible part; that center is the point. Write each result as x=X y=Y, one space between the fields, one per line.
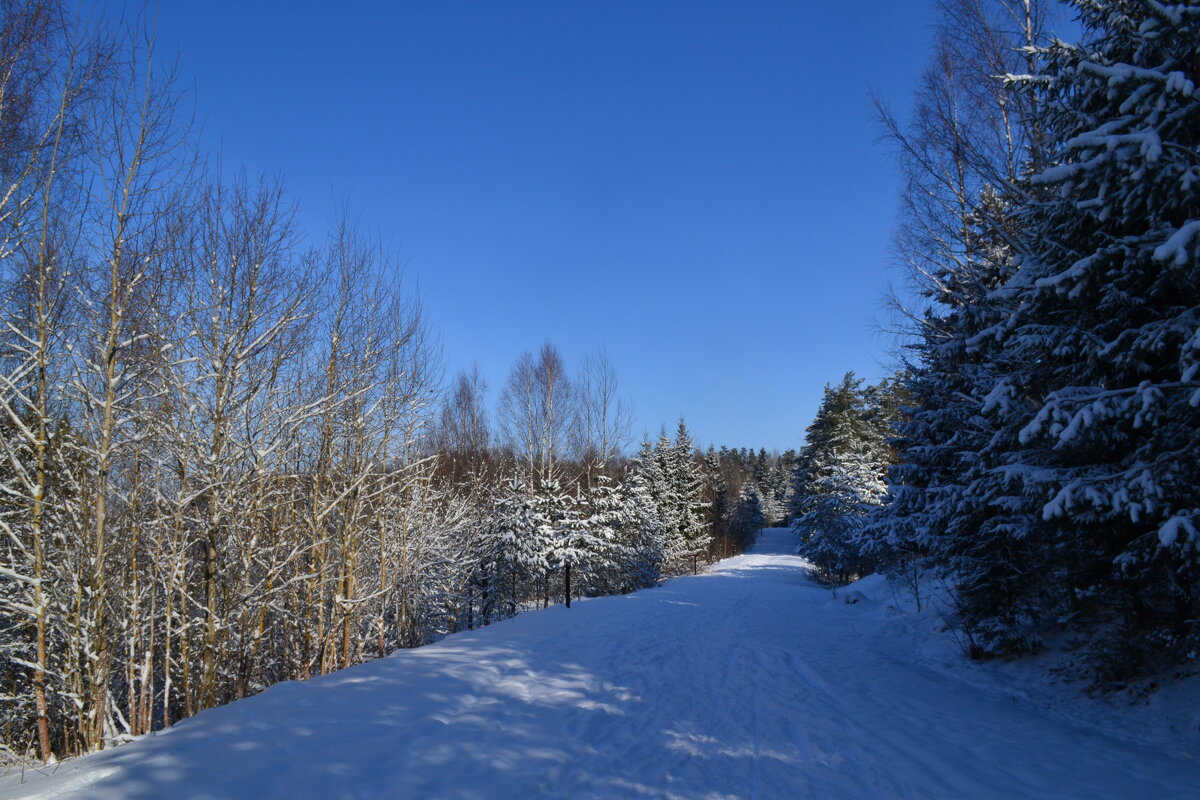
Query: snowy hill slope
x=748 y=681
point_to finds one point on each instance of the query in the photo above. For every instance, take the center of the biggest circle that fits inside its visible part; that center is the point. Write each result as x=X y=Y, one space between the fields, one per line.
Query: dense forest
x=1042 y=443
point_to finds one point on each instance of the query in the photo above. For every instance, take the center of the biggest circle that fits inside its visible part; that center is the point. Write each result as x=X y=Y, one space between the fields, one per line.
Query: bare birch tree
x=139 y=169
x=535 y=409
x=600 y=430
x=44 y=76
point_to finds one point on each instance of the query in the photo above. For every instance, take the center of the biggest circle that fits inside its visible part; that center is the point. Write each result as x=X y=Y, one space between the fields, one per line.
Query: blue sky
x=697 y=187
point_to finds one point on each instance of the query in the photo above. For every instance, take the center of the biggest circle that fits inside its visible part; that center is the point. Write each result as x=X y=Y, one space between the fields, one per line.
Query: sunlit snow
x=748 y=681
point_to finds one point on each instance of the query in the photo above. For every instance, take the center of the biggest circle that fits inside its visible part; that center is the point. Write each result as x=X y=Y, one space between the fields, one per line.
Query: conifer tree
x=596 y=551
x=514 y=546
x=1096 y=410
x=748 y=516
x=683 y=504
x=643 y=534
x=776 y=491
x=840 y=480
x=964 y=159
x=721 y=504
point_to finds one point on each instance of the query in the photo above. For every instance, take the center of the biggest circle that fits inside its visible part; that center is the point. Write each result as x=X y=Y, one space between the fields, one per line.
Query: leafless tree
x=970 y=137
x=461 y=437
x=601 y=428
x=535 y=410
x=138 y=175
x=45 y=79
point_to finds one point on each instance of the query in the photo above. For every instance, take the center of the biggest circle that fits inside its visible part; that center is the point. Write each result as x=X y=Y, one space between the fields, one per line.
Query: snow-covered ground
x=748 y=681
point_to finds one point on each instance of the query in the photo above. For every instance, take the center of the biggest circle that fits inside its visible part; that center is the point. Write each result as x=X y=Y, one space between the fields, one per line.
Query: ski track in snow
x=747 y=681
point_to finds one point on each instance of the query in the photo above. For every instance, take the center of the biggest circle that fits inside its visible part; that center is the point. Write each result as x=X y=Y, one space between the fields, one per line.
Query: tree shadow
x=536 y=706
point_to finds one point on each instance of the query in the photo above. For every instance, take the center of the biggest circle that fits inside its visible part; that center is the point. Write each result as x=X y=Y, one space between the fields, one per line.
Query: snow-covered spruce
x=840 y=480
x=1097 y=411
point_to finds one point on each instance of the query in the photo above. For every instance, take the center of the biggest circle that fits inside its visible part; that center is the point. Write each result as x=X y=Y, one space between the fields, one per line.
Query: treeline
x=1049 y=445
x=747 y=491
x=553 y=507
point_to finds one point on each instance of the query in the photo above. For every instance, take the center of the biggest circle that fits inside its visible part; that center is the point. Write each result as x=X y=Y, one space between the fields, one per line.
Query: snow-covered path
x=748 y=681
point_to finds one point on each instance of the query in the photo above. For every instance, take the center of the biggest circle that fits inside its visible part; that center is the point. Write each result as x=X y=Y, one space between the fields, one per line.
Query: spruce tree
x=642 y=533
x=748 y=516
x=1097 y=409
x=589 y=547
x=840 y=480
x=690 y=528
x=720 y=504
x=512 y=548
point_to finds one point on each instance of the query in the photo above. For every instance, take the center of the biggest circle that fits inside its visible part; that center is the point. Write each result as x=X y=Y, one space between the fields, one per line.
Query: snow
x=1175 y=249
x=1169 y=532
x=747 y=681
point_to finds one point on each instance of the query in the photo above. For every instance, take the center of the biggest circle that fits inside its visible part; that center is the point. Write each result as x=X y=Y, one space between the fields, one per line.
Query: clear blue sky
x=695 y=186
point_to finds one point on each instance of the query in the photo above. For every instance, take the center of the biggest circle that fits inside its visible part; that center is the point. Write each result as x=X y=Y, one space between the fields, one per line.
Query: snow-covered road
x=748 y=681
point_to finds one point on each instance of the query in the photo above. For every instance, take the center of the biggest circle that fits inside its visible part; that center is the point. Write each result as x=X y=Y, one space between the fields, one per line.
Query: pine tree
x=658 y=471
x=929 y=522
x=580 y=545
